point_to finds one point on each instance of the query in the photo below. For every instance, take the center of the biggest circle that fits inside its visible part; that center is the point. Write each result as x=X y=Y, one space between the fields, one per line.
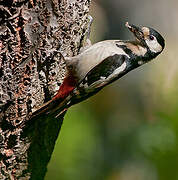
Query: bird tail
x=59 y=102
x=51 y=107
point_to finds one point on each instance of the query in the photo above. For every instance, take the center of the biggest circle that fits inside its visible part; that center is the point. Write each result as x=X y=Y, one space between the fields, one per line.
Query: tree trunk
x=32 y=33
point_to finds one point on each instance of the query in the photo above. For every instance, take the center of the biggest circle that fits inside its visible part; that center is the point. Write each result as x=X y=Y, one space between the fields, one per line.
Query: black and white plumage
x=103 y=63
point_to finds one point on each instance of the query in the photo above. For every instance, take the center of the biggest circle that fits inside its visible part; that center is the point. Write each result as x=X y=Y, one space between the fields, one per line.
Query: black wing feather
x=104 y=69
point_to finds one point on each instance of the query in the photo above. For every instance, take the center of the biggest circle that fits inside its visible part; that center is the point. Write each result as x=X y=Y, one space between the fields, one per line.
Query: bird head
x=149 y=38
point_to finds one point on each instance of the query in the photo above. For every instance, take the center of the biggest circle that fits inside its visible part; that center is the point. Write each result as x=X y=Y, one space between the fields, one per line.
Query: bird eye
x=151 y=37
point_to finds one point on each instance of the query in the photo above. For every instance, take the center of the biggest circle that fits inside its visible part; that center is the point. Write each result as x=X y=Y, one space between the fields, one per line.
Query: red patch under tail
x=67 y=86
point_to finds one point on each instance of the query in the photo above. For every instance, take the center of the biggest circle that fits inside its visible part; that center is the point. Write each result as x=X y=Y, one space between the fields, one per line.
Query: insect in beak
x=137 y=31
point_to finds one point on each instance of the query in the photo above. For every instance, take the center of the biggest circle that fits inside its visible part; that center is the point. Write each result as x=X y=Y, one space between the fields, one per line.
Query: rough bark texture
x=32 y=32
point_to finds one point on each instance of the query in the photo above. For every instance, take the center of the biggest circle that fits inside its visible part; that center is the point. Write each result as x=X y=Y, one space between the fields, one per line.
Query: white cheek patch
x=153 y=45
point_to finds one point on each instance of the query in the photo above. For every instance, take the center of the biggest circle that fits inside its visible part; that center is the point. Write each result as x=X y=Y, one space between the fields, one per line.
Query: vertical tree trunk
x=32 y=32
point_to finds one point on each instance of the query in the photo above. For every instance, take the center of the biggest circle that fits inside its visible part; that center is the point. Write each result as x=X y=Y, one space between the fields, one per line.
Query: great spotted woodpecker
x=103 y=63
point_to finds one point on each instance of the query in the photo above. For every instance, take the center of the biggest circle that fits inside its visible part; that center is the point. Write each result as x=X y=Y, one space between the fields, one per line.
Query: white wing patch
x=103 y=80
x=117 y=71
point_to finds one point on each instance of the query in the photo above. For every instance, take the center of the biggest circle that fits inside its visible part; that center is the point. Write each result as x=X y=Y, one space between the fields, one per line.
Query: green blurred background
x=128 y=131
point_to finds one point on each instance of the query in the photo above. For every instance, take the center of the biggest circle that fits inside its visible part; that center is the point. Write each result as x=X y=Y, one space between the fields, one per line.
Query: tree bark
x=32 y=33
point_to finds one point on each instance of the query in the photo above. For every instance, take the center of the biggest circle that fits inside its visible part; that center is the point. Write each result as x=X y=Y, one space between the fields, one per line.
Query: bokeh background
x=128 y=131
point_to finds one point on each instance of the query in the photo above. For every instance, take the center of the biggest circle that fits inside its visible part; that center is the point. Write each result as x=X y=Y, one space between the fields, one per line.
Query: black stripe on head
x=133 y=57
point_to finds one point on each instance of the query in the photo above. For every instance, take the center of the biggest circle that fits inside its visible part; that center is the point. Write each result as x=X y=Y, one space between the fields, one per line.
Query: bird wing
x=105 y=72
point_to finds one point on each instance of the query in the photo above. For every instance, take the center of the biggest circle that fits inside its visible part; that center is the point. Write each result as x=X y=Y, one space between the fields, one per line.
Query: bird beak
x=137 y=31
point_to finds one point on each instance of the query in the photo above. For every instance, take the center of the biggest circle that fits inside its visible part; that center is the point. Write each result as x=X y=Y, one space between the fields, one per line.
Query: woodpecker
x=101 y=64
